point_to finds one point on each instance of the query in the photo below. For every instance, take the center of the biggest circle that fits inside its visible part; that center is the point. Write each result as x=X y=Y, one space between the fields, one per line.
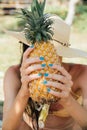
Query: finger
x=32 y=60
x=69 y=84
x=62 y=70
x=55 y=85
x=26 y=79
x=34 y=76
x=58 y=94
x=27 y=52
x=33 y=68
x=57 y=77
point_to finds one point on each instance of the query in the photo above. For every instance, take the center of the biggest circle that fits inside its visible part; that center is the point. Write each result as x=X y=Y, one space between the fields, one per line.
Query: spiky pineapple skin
x=38 y=91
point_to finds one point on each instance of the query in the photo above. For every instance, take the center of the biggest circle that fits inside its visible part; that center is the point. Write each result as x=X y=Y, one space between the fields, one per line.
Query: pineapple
x=37 y=89
x=38 y=32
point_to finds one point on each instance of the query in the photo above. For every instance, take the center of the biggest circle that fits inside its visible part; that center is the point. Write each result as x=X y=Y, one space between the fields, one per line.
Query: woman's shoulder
x=13 y=70
x=12 y=74
x=71 y=66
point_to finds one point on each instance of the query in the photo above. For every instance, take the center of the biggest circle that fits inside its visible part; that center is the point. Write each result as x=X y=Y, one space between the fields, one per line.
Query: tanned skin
x=16 y=93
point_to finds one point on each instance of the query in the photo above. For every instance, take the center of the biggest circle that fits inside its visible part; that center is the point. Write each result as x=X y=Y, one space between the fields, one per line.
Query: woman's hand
x=62 y=81
x=27 y=67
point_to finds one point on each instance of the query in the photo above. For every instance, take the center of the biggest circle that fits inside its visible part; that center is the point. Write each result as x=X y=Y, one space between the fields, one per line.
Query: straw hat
x=60 y=39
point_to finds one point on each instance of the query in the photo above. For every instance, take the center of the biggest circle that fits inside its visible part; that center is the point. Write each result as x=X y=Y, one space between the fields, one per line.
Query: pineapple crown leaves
x=38 y=25
x=37 y=8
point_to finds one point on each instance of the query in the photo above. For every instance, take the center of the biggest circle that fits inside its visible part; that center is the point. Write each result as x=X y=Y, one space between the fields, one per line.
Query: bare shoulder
x=13 y=70
x=12 y=75
x=83 y=79
x=78 y=73
x=83 y=83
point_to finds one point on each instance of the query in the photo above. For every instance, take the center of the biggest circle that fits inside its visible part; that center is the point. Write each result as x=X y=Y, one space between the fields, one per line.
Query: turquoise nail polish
x=32 y=46
x=39 y=74
x=44 y=82
x=41 y=58
x=48 y=90
x=50 y=65
x=46 y=74
x=43 y=65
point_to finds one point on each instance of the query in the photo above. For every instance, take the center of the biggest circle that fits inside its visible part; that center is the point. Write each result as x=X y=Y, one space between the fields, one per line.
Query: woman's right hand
x=27 y=67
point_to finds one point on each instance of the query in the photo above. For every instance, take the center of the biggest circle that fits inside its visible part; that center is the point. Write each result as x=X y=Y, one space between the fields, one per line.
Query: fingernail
x=44 y=82
x=39 y=74
x=46 y=74
x=50 y=65
x=43 y=65
x=32 y=46
x=41 y=58
x=48 y=90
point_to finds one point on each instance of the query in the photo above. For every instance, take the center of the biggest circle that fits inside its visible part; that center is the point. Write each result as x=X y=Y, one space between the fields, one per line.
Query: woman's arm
x=15 y=102
x=78 y=112
x=17 y=91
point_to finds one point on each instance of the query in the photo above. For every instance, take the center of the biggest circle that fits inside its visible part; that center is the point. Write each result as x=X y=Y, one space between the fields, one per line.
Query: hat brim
x=18 y=35
x=61 y=50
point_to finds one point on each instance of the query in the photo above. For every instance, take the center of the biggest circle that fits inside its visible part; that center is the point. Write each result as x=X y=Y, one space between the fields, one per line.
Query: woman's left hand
x=62 y=81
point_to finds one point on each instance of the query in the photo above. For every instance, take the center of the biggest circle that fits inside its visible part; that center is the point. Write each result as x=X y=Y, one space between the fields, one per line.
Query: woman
x=16 y=81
